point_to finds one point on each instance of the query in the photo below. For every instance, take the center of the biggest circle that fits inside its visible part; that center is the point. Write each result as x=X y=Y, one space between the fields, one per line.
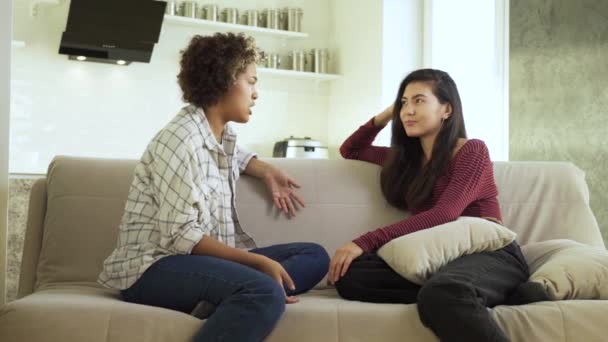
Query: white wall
x=67 y=107
x=475 y=53
x=5 y=76
x=379 y=42
x=401 y=51
x=89 y=109
x=357 y=36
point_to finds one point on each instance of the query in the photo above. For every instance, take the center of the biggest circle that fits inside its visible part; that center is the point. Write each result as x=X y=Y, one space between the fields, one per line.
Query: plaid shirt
x=183 y=188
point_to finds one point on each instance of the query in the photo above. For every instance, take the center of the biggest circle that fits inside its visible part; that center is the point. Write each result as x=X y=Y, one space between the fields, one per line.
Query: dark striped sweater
x=466 y=189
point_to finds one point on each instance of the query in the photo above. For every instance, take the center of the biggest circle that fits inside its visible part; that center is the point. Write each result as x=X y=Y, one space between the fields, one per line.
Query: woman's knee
x=318 y=252
x=347 y=286
x=435 y=295
x=318 y=259
x=268 y=296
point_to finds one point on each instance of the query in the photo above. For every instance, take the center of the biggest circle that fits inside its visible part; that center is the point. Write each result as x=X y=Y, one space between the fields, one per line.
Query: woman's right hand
x=385 y=117
x=278 y=273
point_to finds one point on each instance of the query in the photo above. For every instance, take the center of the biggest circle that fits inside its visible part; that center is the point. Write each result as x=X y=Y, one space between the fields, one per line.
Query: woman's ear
x=448 y=111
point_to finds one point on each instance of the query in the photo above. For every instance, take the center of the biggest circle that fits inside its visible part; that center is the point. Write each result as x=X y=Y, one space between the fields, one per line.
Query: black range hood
x=112 y=31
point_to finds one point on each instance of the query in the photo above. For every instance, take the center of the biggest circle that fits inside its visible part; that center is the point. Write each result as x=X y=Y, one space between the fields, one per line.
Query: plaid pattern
x=183 y=188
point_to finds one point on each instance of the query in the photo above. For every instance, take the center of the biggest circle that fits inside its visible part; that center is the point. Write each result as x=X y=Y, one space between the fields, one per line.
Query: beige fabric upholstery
x=419 y=255
x=569 y=269
x=80 y=313
x=73 y=223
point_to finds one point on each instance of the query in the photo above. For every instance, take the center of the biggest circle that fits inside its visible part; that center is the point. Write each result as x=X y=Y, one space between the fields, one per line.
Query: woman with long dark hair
x=432 y=170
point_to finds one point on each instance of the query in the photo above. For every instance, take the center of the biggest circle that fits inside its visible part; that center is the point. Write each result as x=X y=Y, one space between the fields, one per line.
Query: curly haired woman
x=180 y=241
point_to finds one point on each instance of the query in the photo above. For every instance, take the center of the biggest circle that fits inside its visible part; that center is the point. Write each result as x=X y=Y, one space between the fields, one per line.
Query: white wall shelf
x=226 y=27
x=17 y=44
x=297 y=74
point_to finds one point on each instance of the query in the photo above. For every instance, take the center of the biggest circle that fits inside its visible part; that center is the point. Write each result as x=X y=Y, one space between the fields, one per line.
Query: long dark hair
x=405 y=181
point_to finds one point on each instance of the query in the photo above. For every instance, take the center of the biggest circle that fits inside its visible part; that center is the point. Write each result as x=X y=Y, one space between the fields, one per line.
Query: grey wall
x=559 y=88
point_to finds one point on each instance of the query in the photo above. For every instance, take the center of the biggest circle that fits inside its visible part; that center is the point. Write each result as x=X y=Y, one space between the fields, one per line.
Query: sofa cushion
x=417 y=256
x=80 y=313
x=86 y=198
x=569 y=269
x=544 y=200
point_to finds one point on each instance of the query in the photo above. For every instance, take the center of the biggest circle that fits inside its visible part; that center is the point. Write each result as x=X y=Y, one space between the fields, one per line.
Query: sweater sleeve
x=359 y=145
x=469 y=176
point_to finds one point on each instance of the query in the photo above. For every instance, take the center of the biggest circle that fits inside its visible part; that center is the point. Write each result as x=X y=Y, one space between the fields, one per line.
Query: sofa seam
x=338 y=323
x=108 y=325
x=561 y=312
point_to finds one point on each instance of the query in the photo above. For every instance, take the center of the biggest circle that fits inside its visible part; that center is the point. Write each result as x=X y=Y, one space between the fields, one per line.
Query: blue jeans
x=248 y=302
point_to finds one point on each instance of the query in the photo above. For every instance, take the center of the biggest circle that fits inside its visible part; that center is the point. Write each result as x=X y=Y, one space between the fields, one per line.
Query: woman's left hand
x=342 y=259
x=282 y=188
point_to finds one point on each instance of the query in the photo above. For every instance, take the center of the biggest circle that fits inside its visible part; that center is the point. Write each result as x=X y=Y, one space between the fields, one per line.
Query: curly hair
x=210 y=65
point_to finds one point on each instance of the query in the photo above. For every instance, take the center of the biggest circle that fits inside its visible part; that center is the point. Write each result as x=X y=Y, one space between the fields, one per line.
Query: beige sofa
x=72 y=227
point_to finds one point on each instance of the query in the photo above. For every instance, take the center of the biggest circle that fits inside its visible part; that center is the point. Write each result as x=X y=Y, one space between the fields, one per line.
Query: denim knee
x=320 y=253
x=270 y=297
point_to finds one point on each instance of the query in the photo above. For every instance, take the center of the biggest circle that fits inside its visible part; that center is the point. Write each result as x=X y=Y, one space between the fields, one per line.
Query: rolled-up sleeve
x=243 y=157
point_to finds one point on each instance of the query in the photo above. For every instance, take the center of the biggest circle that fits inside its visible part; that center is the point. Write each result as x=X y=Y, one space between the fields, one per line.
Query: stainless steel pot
x=299 y=148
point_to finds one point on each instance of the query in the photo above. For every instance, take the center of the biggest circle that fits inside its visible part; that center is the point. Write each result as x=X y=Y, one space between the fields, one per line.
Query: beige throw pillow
x=417 y=256
x=568 y=269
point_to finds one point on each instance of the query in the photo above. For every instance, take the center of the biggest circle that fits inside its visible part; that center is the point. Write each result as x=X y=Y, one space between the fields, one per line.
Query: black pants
x=453 y=302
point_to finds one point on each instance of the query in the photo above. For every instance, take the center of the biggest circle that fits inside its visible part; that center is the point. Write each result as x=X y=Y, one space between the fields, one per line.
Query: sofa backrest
x=74 y=217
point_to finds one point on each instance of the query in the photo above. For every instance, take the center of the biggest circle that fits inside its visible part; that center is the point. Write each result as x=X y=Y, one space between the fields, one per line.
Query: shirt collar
x=228 y=136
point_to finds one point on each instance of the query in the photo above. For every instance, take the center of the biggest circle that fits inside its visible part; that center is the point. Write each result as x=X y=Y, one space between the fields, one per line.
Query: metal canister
x=309 y=65
x=297 y=60
x=283 y=19
x=209 y=12
x=230 y=15
x=273 y=61
x=172 y=7
x=188 y=9
x=294 y=19
x=270 y=18
x=251 y=17
x=319 y=60
x=262 y=57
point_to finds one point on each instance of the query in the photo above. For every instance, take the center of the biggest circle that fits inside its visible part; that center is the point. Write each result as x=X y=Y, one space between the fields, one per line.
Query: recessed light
x=81 y=58
x=121 y=62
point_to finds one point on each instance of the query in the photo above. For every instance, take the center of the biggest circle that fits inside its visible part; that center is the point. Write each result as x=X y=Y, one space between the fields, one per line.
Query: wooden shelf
x=17 y=44
x=297 y=74
x=221 y=26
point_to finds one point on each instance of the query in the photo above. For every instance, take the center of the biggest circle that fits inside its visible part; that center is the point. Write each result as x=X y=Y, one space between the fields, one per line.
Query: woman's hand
x=278 y=273
x=385 y=117
x=341 y=261
x=282 y=188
